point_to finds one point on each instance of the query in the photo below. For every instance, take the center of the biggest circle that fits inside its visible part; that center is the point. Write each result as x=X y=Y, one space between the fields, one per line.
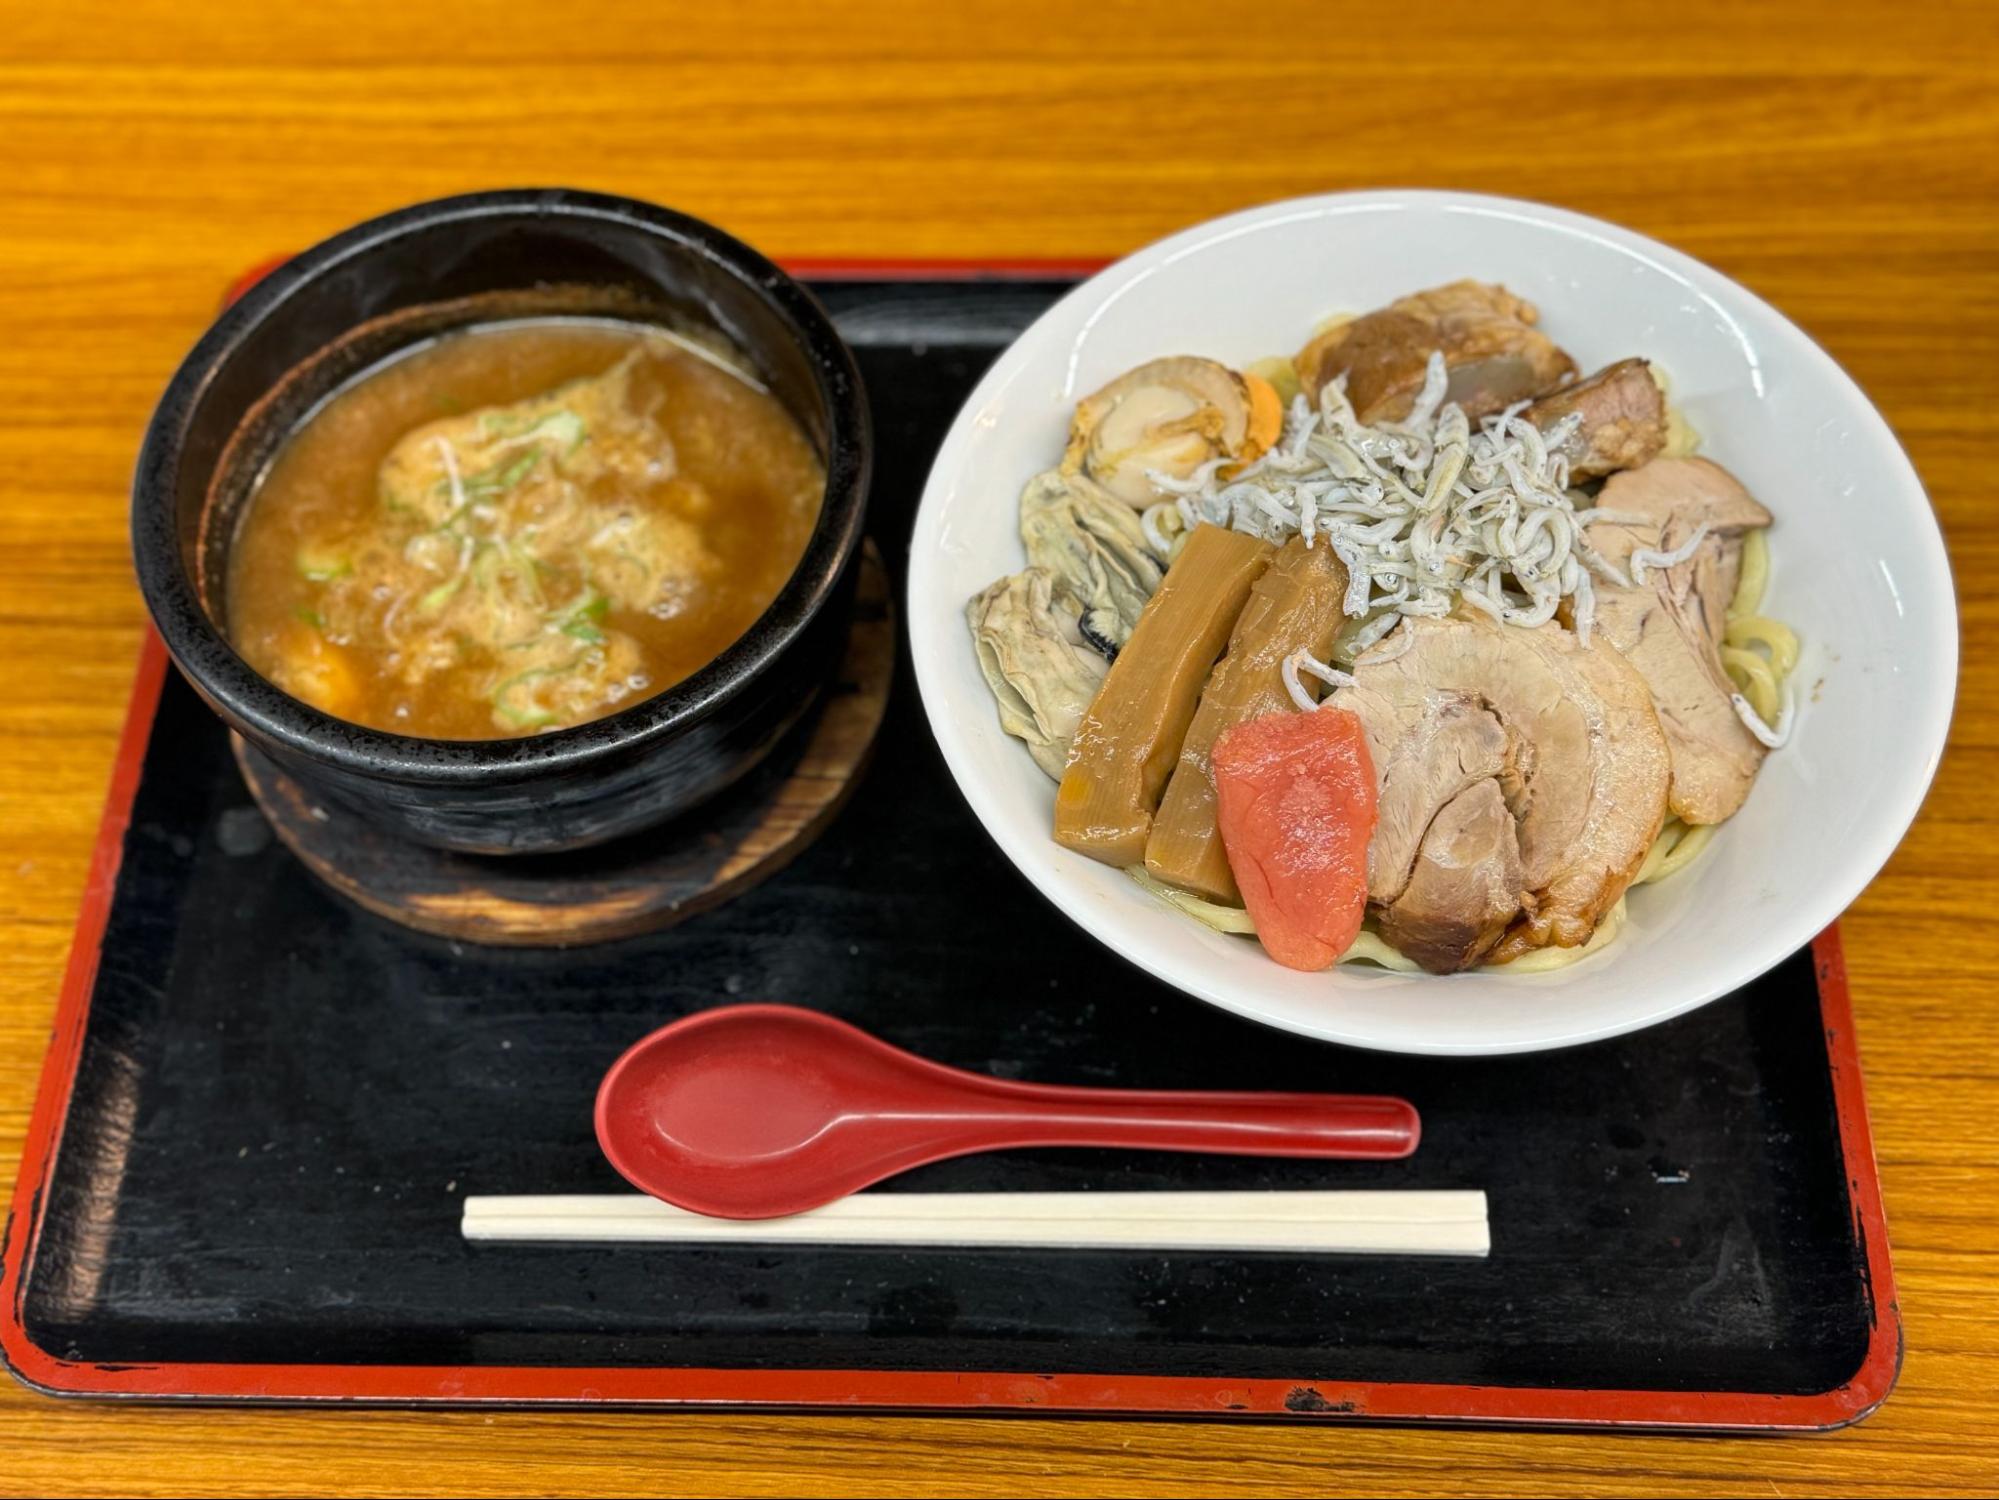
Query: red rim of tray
x=942 y=1391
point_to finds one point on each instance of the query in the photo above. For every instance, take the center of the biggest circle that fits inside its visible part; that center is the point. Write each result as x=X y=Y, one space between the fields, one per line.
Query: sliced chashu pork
x=1568 y=741
x=1623 y=424
x=1464 y=889
x=1444 y=742
x=1494 y=353
x=1670 y=626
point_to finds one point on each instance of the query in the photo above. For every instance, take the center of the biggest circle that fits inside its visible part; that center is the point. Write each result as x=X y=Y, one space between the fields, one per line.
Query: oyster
x=1095 y=550
x=1170 y=415
x=1041 y=673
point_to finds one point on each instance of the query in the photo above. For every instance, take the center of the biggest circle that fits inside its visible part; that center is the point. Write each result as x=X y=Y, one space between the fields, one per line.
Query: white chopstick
x=1389 y=1223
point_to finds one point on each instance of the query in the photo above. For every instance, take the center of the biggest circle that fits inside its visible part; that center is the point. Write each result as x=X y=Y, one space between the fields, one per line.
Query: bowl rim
x=1798 y=925
x=202 y=650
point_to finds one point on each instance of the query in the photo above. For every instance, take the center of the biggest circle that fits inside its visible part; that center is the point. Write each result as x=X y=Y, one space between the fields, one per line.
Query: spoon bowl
x=758 y=1111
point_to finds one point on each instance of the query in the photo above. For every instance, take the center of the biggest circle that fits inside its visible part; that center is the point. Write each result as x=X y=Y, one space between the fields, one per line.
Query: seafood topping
x=1169 y=416
x=1296 y=802
x=1035 y=662
x=1095 y=551
x=1423 y=511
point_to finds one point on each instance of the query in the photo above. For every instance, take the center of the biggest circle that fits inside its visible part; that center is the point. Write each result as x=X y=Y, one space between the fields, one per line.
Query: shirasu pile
x=1423 y=512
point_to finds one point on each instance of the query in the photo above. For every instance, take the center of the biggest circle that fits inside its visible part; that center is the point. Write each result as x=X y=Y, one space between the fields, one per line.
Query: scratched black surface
x=282 y=1100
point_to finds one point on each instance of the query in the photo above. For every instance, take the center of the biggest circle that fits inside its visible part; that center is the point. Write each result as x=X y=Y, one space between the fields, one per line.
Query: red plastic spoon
x=755 y=1111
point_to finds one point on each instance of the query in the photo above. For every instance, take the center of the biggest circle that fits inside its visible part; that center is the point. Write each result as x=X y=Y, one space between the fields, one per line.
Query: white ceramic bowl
x=1858 y=569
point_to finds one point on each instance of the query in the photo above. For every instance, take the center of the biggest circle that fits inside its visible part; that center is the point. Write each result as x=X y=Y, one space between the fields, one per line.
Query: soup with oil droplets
x=521 y=527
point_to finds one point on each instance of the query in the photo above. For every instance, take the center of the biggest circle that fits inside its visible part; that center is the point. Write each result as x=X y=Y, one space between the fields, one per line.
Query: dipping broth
x=521 y=527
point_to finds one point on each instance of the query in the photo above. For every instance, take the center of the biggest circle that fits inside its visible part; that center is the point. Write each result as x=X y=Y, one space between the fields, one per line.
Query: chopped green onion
x=532 y=720
x=564 y=426
x=516 y=471
x=311 y=617
x=581 y=618
x=499 y=481
x=486 y=561
x=322 y=565
x=438 y=597
x=528 y=717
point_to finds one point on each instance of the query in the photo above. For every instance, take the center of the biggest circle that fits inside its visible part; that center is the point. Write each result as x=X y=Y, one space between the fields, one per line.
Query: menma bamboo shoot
x=1296 y=604
x=1127 y=744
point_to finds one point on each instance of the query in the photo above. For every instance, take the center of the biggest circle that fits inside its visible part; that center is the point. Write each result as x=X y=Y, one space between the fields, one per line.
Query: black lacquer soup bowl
x=345 y=305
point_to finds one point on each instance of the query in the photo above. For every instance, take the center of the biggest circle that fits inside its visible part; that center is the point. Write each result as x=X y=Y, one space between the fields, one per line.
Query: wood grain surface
x=1842 y=160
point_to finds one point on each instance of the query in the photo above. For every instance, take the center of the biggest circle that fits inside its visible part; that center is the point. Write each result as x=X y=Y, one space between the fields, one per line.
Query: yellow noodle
x=1368 y=947
x=1681 y=439
x=1685 y=852
x=1778 y=639
x=1545 y=960
x=1755 y=574
x=1670 y=834
x=1230 y=919
x=1752 y=674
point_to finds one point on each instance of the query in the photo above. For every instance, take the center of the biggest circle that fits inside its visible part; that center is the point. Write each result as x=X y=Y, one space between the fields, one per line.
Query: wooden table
x=1845 y=164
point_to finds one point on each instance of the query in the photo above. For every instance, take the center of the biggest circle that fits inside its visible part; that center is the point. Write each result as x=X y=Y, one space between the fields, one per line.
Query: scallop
x=1169 y=416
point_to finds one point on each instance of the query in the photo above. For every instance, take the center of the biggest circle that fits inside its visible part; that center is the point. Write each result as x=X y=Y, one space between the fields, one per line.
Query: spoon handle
x=1359 y=1126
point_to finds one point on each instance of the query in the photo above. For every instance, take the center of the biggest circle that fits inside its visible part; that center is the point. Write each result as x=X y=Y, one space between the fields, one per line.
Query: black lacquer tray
x=262 y=1107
